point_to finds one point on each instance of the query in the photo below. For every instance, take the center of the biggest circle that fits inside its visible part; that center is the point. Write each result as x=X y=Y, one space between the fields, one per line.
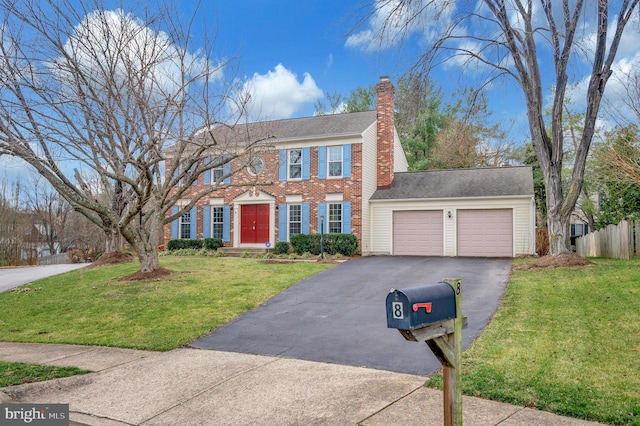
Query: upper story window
x=218 y=171
x=187 y=176
x=184 y=226
x=335 y=161
x=294 y=165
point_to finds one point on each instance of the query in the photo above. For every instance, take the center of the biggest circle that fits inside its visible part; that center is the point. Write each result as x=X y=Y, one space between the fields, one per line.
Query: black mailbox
x=418 y=307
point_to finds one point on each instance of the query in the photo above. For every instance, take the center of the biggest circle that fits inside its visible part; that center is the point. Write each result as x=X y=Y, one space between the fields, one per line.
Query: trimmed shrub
x=213 y=243
x=345 y=244
x=184 y=244
x=281 y=247
x=301 y=243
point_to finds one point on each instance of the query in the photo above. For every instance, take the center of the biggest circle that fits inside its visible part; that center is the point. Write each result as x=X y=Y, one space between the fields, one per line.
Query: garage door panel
x=485 y=233
x=418 y=233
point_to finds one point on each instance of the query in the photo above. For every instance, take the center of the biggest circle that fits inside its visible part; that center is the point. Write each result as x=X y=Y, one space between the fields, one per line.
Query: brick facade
x=312 y=191
x=315 y=190
x=386 y=125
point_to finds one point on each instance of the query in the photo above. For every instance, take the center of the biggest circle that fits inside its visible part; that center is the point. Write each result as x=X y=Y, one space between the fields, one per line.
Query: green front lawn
x=91 y=307
x=17 y=373
x=565 y=340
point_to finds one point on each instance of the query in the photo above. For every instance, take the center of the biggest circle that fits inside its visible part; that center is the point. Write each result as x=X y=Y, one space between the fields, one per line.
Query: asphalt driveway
x=339 y=315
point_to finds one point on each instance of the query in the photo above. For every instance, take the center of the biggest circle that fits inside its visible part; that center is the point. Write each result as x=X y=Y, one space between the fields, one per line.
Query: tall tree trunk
x=113 y=242
x=143 y=235
x=148 y=248
x=148 y=259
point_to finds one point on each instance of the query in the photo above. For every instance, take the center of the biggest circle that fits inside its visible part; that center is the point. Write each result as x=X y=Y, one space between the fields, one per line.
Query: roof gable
x=459 y=183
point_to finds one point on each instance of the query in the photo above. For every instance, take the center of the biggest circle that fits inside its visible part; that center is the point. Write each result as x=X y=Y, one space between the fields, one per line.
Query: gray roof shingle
x=459 y=183
x=350 y=124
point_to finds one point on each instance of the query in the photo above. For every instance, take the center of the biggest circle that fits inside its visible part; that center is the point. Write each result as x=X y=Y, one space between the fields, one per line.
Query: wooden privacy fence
x=621 y=241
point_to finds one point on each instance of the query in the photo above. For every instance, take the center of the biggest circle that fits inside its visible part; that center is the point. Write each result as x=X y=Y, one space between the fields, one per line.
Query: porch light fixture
x=449 y=214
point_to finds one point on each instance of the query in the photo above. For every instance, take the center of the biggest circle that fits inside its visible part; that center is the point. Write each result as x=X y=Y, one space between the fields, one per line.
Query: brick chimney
x=385 y=116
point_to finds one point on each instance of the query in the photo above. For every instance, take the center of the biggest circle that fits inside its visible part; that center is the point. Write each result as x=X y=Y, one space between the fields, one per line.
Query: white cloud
x=276 y=94
x=113 y=46
x=393 y=20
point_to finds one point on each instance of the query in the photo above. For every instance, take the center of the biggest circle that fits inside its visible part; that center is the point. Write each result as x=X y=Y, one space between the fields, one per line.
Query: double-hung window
x=188 y=175
x=295 y=219
x=335 y=161
x=217 y=222
x=218 y=171
x=294 y=163
x=184 y=226
x=335 y=218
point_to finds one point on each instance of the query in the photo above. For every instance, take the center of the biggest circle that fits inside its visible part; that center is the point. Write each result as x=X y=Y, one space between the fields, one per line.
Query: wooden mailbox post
x=430 y=314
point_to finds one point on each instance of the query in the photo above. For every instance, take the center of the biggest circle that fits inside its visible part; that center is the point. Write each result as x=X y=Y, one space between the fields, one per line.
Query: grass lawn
x=17 y=373
x=91 y=307
x=565 y=340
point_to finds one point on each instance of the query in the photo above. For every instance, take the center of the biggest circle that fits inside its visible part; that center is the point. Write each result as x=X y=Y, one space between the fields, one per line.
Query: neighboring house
x=347 y=173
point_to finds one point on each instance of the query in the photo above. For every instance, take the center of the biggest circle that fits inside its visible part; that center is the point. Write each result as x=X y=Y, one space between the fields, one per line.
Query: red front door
x=254 y=223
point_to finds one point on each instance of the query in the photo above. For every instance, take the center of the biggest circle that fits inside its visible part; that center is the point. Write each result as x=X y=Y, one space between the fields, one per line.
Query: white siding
x=523 y=216
x=400 y=163
x=369 y=177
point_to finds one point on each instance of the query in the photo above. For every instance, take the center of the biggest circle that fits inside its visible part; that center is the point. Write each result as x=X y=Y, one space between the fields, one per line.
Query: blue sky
x=297 y=52
x=292 y=53
x=277 y=39
x=317 y=43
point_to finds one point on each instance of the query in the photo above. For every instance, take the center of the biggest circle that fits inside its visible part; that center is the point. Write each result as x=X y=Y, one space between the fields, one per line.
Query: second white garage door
x=417 y=233
x=485 y=233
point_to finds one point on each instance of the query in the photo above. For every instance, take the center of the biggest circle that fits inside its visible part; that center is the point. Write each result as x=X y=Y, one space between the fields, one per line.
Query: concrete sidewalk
x=202 y=387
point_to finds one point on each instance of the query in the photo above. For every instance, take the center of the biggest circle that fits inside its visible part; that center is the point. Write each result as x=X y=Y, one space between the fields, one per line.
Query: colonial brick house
x=335 y=173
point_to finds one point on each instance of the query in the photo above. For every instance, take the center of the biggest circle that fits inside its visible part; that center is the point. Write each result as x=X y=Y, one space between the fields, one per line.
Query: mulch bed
x=111 y=259
x=118 y=257
x=559 y=261
x=140 y=276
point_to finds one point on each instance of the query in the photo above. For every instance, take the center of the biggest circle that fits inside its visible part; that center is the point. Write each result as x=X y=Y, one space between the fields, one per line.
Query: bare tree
x=96 y=100
x=515 y=39
x=52 y=213
x=14 y=226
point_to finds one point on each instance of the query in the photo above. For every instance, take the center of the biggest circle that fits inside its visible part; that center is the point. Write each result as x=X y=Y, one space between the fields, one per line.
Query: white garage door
x=417 y=233
x=485 y=233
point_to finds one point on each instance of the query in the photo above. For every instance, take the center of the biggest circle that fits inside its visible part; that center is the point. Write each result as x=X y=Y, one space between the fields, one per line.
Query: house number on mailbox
x=398 y=313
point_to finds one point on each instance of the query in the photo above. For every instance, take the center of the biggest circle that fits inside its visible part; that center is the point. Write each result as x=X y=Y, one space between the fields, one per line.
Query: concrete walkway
x=205 y=387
